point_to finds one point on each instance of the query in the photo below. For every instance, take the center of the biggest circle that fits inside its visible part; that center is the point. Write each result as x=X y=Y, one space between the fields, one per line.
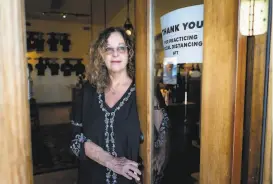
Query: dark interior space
x=184 y=131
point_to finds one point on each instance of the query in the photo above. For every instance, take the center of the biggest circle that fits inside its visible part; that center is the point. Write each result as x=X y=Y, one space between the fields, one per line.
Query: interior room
x=201 y=81
x=59 y=34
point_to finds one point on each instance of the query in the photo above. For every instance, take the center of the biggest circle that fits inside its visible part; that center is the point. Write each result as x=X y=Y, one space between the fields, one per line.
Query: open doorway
x=216 y=165
x=58 y=36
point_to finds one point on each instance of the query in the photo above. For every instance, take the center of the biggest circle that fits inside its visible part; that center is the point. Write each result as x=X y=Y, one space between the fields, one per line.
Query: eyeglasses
x=119 y=49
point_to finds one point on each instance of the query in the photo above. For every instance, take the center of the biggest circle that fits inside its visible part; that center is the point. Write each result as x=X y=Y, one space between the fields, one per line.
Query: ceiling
x=35 y=8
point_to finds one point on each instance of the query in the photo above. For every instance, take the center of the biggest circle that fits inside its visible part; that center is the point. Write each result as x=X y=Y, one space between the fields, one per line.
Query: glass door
x=201 y=94
x=178 y=42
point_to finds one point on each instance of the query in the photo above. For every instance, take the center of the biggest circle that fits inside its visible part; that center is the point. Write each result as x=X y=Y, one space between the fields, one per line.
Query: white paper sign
x=182 y=34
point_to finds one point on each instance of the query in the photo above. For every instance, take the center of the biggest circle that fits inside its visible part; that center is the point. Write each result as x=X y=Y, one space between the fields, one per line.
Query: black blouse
x=116 y=130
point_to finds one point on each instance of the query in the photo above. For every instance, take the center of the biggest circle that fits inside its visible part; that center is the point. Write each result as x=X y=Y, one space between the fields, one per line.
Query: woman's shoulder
x=89 y=88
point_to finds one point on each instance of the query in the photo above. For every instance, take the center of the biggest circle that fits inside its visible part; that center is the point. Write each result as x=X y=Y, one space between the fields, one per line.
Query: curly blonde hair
x=97 y=72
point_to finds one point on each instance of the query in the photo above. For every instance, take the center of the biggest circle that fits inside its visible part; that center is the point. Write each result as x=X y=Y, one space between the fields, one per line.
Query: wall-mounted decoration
x=54 y=66
x=66 y=67
x=65 y=42
x=53 y=42
x=31 y=41
x=35 y=41
x=40 y=42
x=41 y=66
x=79 y=68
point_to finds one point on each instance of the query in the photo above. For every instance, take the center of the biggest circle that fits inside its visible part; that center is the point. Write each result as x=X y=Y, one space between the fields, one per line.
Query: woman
x=161 y=137
x=106 y=127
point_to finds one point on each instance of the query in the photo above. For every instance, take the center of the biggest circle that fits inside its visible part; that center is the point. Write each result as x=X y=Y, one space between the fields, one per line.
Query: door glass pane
x=178 y=36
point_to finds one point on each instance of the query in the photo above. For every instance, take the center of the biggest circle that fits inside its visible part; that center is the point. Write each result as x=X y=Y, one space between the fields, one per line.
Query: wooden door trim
x=239 y=103
x=16 y=157
x=144 y=73
x=268 y=172
x=222 y=93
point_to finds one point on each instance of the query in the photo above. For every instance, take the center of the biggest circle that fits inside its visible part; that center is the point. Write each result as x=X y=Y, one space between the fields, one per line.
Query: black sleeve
x=135 y=133
x=78 y=138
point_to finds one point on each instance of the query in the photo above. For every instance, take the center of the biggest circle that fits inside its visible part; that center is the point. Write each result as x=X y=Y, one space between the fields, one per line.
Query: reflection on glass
x=177 y=99
x=170 y=71
x=161 y=137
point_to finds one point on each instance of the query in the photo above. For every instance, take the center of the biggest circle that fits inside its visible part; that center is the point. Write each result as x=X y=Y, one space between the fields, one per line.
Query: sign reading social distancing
x=182 y=34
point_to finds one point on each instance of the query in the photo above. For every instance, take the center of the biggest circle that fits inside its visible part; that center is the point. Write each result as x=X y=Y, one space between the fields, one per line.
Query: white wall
x=55 y=89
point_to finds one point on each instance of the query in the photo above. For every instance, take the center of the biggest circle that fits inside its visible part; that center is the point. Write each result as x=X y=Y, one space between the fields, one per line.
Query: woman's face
x=115 y=54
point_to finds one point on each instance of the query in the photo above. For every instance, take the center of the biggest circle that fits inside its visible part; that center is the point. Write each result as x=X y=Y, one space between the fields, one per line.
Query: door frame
x=222 y=121
x=16 y=159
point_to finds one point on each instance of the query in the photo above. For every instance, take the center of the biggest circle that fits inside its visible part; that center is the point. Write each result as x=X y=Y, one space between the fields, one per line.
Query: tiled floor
x=60 y=177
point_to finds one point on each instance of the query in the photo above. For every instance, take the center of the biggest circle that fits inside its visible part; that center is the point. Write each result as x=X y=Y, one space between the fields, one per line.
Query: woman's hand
x=125 y=167
x=121 y=166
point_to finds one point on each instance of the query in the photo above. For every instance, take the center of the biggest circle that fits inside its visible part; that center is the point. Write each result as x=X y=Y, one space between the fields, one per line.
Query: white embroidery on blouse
x=78 y=139
x=75 y=123
x=109 y=119
x=76 y=144
x=162 y=130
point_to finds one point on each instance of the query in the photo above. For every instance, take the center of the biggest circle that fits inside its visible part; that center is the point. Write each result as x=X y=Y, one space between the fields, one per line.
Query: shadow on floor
x=50 y=149
x=59 y=177
x=178 y=169
x=181 y=166
x=51 y=154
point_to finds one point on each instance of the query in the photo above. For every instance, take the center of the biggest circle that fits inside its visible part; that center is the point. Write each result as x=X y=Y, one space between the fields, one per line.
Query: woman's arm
x=122 y=166
x=96 y=153
x=84 y=148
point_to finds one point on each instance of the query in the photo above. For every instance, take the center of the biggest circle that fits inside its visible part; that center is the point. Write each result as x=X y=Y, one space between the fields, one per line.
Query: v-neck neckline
x=119 y=101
